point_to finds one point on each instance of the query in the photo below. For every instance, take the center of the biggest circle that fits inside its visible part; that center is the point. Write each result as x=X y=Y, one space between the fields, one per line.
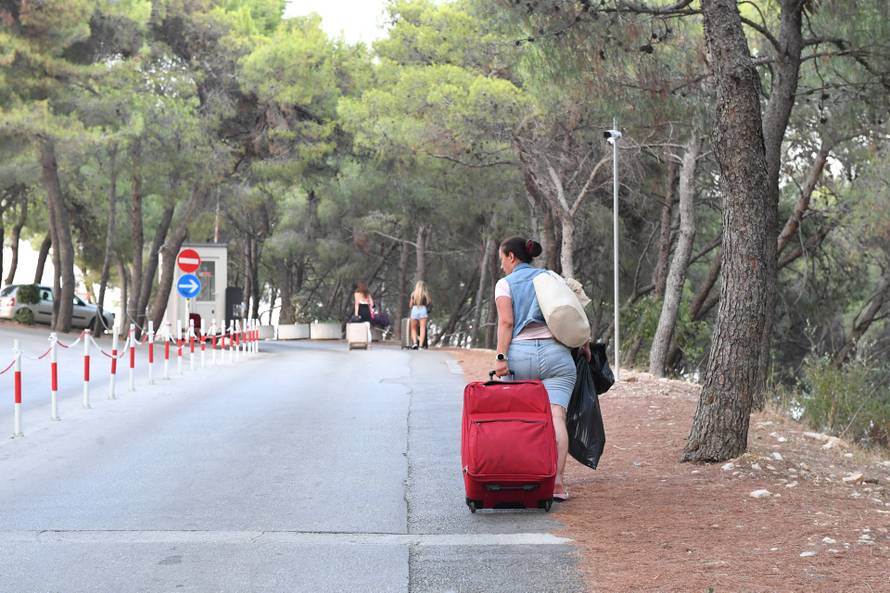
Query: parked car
x=83 y=315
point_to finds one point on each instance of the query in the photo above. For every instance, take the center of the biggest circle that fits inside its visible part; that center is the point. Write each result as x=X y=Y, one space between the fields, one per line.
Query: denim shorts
x=419 y=312
x=547 y=360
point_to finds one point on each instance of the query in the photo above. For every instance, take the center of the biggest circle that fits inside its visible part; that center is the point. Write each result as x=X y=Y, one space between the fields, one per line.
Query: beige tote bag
x=562 y=310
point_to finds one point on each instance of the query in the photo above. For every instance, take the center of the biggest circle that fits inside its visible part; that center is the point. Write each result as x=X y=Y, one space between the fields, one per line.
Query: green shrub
x=25 y=316
x=851 y=402
x=28 y=294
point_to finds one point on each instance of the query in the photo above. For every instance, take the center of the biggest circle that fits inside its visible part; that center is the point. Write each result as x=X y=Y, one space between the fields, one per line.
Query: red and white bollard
x=151 y=352
x=54 y=377
x=179 y=346
x=17 y=423
x=213 y=342
x=203 y=343
x=132 y=340
x=111 y=380
x=167 y=350
x=230 y=340
x=191 y=344
x=86 y=369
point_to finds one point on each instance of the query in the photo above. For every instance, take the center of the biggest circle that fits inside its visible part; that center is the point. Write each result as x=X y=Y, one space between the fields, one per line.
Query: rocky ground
x=800 y=511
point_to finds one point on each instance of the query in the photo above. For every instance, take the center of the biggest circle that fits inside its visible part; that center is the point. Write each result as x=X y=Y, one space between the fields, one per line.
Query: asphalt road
x=306 y=468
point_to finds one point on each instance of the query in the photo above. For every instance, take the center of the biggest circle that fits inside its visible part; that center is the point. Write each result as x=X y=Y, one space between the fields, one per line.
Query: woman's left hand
x=585 y=350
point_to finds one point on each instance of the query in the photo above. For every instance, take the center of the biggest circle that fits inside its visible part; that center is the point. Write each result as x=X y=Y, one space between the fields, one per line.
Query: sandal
x=562 y=495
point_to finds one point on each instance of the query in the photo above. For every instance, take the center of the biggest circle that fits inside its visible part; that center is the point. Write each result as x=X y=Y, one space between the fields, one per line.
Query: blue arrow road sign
x=188 y=286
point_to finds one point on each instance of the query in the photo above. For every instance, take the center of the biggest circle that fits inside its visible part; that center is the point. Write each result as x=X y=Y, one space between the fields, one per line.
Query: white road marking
x=280 y=537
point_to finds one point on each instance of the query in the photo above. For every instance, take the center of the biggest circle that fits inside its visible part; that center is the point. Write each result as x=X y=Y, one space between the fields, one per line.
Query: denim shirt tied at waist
x=525 y=302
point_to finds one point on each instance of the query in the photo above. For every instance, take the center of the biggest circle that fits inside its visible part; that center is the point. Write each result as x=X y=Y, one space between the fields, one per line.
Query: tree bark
x=286 y=315
x=171 y=249
x=42 y=254
x=64 y=297
x=478 y=334
x=151 y=266
x=400 y=289
x=420 y=249
x=659 y=275
x=136 y=231
x=673 y=291
x=124 y=273
x=109 y=231
x=16 y=238
x=733 y=380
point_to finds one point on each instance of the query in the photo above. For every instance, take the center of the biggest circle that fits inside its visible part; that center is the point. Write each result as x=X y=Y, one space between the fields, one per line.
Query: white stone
x=791 y=485
x=760 y=494
x=774 y=549
x=755 y=466
x=809 y=554
x=728 y=467
x=829 y=540
x=782 y=440
x=817 y=435
x=853 y=478
x=777 y=456
x=833 y=442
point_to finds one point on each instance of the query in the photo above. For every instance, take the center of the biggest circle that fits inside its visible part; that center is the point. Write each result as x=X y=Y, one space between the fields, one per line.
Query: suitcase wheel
x=473 y=505
x=545 y=504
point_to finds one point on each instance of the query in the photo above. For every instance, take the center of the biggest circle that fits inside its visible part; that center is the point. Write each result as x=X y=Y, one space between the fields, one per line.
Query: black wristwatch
x=502 y=357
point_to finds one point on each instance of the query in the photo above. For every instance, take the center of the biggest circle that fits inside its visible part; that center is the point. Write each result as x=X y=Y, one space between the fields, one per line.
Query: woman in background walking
x=363 y=302
x=420 y=303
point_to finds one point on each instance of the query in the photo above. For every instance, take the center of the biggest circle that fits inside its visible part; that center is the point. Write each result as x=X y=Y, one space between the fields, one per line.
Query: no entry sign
x=188 y=260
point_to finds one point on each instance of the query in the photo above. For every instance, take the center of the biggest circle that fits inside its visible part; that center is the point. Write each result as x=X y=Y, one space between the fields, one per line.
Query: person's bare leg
x=413 y=325
x=423 y=331
x=562 y=441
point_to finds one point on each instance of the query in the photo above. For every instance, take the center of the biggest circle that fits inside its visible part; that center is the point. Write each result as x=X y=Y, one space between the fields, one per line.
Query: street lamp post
x=612 y=136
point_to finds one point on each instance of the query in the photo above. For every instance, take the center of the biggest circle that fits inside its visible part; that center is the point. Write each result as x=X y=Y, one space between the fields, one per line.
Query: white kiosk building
x=210 y=303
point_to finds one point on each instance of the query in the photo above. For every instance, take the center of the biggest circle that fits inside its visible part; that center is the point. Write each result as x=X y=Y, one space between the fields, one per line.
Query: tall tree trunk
x=136 y=231
x=491 y=314
x=786 y=74
x=255 y=277
x=567 y=249
x=420 y=249
x=659 y=275
x=61 y=235
x=109 y=230
x=16 y=238
x=478 y=334
x=400 y=289
x=733 y=380
x=673 y=291
x=42 y=254
x=151 y=266
x=171 y=249
x=121 y=322
x=286 y=282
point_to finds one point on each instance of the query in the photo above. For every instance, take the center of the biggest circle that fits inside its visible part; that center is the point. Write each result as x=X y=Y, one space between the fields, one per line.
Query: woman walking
x=526 y=347
x=363 y=302
x=420 y=303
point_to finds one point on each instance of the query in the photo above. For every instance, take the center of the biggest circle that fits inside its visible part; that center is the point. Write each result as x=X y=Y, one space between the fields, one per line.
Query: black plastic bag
x=603 y=378
x=584 y=421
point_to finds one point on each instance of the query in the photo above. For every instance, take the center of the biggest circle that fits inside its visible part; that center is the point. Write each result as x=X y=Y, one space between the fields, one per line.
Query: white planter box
x=293 y=331
x=267 y=332
x=325 y=331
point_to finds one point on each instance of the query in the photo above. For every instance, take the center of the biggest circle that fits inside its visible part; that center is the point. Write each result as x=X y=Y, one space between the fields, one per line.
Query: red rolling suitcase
x=508 y=445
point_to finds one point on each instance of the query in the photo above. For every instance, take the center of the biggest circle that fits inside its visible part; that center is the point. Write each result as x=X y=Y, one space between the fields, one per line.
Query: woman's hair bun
x=533 y=248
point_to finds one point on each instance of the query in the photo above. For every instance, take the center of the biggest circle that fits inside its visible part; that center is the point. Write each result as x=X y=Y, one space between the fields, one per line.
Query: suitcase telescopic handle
x=492 y=373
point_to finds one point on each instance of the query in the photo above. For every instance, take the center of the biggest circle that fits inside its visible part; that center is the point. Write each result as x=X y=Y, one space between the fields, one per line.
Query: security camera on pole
x=612 y=136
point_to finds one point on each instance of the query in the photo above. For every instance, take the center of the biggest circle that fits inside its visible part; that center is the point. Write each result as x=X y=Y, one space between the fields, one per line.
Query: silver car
x=84 y=315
